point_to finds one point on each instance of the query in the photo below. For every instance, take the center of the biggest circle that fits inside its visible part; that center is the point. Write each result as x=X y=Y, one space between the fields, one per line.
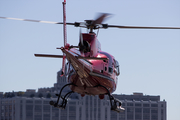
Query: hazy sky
x=149 y=59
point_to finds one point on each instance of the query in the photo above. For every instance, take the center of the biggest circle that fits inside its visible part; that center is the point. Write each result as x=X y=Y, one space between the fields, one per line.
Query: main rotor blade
x=48 y=55
x=141 y=27
x=101 y=18
x=36 y=21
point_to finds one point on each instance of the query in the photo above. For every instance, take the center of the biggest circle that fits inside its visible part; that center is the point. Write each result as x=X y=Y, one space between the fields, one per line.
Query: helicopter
x=90 y=71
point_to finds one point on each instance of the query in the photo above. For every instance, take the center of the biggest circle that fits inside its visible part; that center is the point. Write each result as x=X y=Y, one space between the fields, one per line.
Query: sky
x=149 y=59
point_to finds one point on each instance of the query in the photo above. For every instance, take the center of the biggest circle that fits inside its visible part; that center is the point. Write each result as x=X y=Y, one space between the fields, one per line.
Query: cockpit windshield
x=116 y=65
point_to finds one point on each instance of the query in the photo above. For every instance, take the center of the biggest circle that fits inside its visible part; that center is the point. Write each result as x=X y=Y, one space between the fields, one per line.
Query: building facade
x=32 y=105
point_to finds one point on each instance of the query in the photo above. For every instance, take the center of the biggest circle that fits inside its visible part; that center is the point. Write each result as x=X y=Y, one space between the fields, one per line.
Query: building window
x=138 y=110
x=154 y=105
x=113 y=115
x=130 y=112
x=72 y=112
x=145 y=105
x=154 y=114
x=137 y=116
x=106 y=113
x=162 y=111
x=29 y=112
x=121 y=116
x=80 y=115
x=72 y=102
x=154 y=117
x=138 y=105
x=38 y=102
x=146 y=110
x=129 y=104
x=46 y=102
x=29 y=101
x=146 y=117
x=38 y=107
x=46 y=112
x=154 y=111
x=55 y=113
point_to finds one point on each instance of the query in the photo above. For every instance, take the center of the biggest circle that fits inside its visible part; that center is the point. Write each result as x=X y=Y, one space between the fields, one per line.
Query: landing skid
x=64 y=99
x=113 y=101
x=115 y=106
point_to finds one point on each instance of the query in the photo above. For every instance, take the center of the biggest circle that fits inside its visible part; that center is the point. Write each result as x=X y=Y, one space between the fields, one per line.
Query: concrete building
x=32 y=105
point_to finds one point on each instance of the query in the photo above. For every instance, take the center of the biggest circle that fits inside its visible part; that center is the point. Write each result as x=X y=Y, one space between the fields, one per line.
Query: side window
x=110 y=70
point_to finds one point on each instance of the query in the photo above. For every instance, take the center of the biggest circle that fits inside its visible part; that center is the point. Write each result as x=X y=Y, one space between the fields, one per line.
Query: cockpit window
x=116 y=65
x=105 y=61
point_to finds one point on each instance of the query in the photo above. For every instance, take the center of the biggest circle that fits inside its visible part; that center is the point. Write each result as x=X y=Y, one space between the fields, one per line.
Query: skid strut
x=64 y=99
x=113 y=101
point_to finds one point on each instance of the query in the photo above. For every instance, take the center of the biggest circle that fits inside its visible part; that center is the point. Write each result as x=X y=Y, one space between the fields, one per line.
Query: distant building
x=32 y=105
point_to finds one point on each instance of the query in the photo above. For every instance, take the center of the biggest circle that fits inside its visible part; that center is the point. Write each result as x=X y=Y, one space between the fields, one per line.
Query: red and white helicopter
x=90 y=71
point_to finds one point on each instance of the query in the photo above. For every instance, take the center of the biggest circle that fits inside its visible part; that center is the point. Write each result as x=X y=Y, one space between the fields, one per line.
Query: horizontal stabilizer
x=47 y=55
